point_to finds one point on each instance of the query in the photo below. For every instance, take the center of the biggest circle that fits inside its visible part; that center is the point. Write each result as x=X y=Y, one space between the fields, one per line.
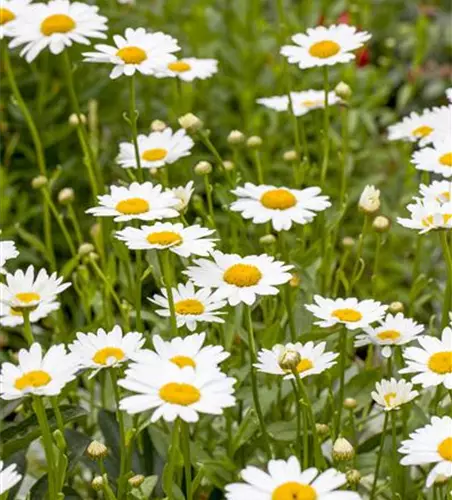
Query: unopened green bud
x=39 y=182
x=203 y=168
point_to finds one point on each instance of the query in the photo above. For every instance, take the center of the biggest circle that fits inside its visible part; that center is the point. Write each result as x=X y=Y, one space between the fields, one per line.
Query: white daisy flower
x=182 y=352
x=9 y=11
x=428 y=215
x=137 y=50
x=350 y=312
x=443 y=124
x=432 y=362
x=191 y=306
x=417 y=127
x=57 y=25
x=391 y=331
x=392 y=394
x=282 y=206
x=183 y=241
x=325 y=46
x=436 y=158
x=9 y=477
x=313 y=359
x=105 y=349
x=38 y=374
x=302 y=102
x=240 y=279
x=286 y=481
x=156 y=149
x=440 y=191
x=8 y=251
x=25 y=291
x=191 y=68
x=431 y=444
x=176 y=392
x=449 y=94
x=369 y=201
x=137 y=201
x=183 y=194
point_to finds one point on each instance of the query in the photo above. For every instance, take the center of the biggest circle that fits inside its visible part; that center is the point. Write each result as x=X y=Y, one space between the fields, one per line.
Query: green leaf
x=246 y=430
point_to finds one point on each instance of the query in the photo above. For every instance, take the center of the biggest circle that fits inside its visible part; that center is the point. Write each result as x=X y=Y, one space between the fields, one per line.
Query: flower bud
x=95 y=230
x=75 y=119
x=369 y=202
x=353 y=477
x=343 y=450
x=39 y=182
x=85 y=249
x=343 y=91
x=136 y=481
x=441 y=479
x=289 y=360
x=381 y=224
x=96 y=450
x=190 y=123
x=97 y=483
x=350 y=403
x=267 y=239
x=396 y=307
x=348 y=242
x=203 y=168
x=158 y=126
x=295 y=280
x=322 y=429
x=93 y=256
x=228 y=165
x=254 y=142
x=235 y=137
x=290 y=156
x=65 y=196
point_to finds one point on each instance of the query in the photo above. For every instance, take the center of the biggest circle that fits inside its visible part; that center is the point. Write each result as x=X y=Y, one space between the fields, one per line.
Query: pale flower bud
x=322 y=429
x=267 y=239
x=136 y=481
x=353 y=477
x=396 y=307
x=369 y=201
x=289 y=360
x=75 y=119
x=343 y=450
x=348 y=242
x=158 y=126
x=381 y=224
x=254 y=142
x=350 y=403
x=39 y=182
x=190 y=123
x=343 y=91
x=85 y=249
x=97 y=483
x=203 y=168
x=96 y=450
x=290 y=156
x=65 y=196
x=235 y=137
x=228 y=165
x=95 y=230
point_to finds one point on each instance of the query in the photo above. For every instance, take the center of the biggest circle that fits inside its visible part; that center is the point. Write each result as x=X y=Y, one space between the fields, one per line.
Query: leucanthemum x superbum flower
x=9 y=11
x=325 y=46
x=183 y=194
x=350 y=312
x=302 y=102
x=191 y=68
x=191 y=306
x=22 y=291
x=313 y=359
x=38 y=374
x=239 y=279
x=176 y=392
x=431 y=444
x=432 y=362
x=428 y=215
x=286 y=481
x=8 y=251
x=9 y=477
x=282 y=206
x=436 y=158
x=440 y=191
x=137 y=201
x=392 y=394
x=369 y=201
x=183 y=241
x=156 y=149
x=449 y=94
x=182 y=352
x=137 y=50
x=57 y=25
x=391 y=331
x=105 y=349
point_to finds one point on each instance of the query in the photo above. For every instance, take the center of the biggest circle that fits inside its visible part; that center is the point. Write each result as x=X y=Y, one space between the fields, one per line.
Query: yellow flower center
x=155 y=154
x=164 y=238
x=427 y=221
x=35 y=378
x=242 y=275
x=180 y=394
x=57 y=23
x=182 y=361
x=444 y=196
x=189 y=306
x=388 y=335
x=132 y=55
x=445 y=449
x=324 y=49
x=304 y=365
x=441 y=362
x=133 y=206
x=179 y=66
x=349 y=315
x=446 y=218
x=388 y=397
x=27 y=297
x=422 y=131
x=293 y=490
x=6 y=16
x=446 y=159
x=108 y=355
x=278 y=199
x=310 y=104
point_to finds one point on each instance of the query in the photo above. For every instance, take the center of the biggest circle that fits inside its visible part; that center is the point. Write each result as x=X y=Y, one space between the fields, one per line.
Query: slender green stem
x=257 y=404
x=326 y=129
x=395 y=460
x=122 y=432
x=258 y=164
x=345 y=153
x=168 y=278
x=138 y=288
x=376 y=264
x=296 y=135
x=209 y=145
x=300 y=446
x=208 y=190
x=342 y=367
x=359 y=251
x=288 y=295
x=58 y=416
x=380 y=453
x=185 y=445
x=28 y=334
x=133 y=125
x=172 y=459
x=447 y=306
x=75 y=224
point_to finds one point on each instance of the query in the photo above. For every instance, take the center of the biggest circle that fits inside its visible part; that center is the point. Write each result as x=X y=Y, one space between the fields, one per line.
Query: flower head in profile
x=436 y=158
x=8 y=251
x=188 y=69
x=9 y=477
x=311 y=360
x=191 y=306
x=428 y=215
x=325 y=46
x=26 y=291
x=432 y=362
x=137 y=201
x=183 y=194
x=156 y=149
x=11 y=10
x=239 y=279
x=350 y=312
x=391 y=331
x=431 y=444
x=37 y=373
x=286 y=481
x=369 y=201
x=440 y=191
x=449 y=94
x=279 y=205
x=176 y=392
x=138 y=50
x=105 y=349
x=56 y=25
x=392 y=394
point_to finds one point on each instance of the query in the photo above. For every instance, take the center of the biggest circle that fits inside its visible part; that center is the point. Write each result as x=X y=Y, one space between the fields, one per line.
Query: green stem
x=298 y=419
x=208 y=190
x=326 y=129
x=258 y=164
x=58 y=416
x=139 y=271
x=395 y=461
x=359 y=251
x=376 y=265
x=345 y=150
x=172 y=459
x=75 y=224
x=209 y=145
x=447 y=305
x=28 y=334
x=342 y=367
x=133 y=125
x=288 y=296
x=122 y=432
x=185 y=445
x=380 y=453
x=167 y=276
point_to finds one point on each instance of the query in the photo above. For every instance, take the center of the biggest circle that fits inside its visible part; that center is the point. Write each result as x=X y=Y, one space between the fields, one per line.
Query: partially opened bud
x=190 y=123
x=136 y=481
x=343 y=91
x=158 y=126
x=235 y=137
x=97 y=483
x=322 y=429
x=396 y=307
x=369 y=201
x=289 y=360
x=96 y=450
x=295 y=280
x=353 y=477
x=343 y=450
